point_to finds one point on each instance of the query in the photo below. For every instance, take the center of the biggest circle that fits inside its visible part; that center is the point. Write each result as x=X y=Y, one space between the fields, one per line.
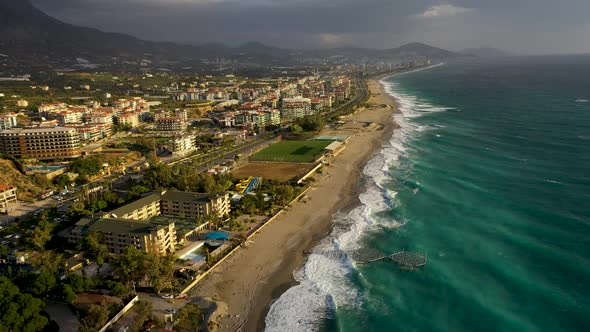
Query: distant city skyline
x=519 y=26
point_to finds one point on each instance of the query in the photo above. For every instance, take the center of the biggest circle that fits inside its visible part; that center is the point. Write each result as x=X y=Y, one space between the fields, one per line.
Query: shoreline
x=249 y=281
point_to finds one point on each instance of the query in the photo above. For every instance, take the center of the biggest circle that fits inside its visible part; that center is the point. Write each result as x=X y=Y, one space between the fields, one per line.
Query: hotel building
x=122 y=233
x=135 y=224
x=41 y=143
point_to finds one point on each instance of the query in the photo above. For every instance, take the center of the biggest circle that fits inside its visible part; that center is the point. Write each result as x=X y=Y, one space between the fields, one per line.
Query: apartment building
x=182 y=145
x=260 y=117
x=8 y=120
x=182 y=114
x=92 y=132
x=294 y=108
x=135 y=224
x=141 y=209
x=7 y=196
x=174 y=203
x=122 y=233
x=69 y=117
x=171 y=124
x=40 y=143
x=128 y=119
x=101 y=117
x=194 y=205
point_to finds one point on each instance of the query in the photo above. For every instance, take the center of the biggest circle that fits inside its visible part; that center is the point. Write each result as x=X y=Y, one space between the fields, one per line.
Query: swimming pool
x=196 y=255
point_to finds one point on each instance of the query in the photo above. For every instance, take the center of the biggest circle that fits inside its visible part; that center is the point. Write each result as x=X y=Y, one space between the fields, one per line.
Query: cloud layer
x=524 y=26
x=445 y=10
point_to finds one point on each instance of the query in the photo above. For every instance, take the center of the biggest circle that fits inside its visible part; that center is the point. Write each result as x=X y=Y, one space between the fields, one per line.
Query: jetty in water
x=405 y=259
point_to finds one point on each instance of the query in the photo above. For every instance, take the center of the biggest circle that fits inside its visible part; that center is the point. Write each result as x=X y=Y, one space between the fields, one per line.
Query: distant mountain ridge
x=27 y=32
x=485 y=52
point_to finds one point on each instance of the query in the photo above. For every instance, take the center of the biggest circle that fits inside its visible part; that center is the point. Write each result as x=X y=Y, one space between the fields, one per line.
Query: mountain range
x=28 y=33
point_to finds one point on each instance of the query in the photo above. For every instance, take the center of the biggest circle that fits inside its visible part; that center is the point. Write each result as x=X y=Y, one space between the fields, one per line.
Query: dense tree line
x=87 y=167
x=185 y=178
x=311 y=123
x=20 y=311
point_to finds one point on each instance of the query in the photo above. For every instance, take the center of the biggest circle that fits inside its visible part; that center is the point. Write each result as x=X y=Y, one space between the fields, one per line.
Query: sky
x=517 y=26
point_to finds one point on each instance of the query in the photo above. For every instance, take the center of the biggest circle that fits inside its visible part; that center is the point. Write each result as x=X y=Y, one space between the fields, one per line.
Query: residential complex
x=40 y=143
x=194 y=205
x=137 y=223
x=122 y=233
x=294 y=108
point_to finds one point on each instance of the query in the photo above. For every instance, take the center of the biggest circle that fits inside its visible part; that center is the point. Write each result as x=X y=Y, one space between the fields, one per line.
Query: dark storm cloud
x=535 y=26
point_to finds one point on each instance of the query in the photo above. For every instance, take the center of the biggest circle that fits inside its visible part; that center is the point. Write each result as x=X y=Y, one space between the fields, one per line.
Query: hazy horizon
x=519 y=27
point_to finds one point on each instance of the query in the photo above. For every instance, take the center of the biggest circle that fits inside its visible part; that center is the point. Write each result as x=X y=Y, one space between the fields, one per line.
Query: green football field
x=292 y=151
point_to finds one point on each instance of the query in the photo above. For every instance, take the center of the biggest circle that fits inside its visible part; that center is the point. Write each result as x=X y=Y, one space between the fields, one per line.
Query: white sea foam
x=325 y=279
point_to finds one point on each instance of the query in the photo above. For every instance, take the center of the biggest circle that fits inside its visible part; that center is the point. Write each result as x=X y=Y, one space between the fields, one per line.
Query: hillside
x=35 y=38
x=27 y=186
x=420 y=49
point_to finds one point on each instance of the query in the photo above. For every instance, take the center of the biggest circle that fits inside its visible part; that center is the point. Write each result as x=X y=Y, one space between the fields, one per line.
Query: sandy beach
x=245 y=284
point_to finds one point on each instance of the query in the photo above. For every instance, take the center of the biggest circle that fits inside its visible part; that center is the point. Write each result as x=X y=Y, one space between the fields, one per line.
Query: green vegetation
x=188 y=318
x=187 y=178
x=87 y=167
x=310 y=123
x=292 y=151
x=18 y=311
x=95 y=318
x=134 y=267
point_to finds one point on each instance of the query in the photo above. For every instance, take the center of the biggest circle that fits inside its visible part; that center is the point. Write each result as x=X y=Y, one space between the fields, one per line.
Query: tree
x=111 y=198
x=188 y=318
x=206 y=183
x=68 y=293
x=79 y=283
x=248 y=204
x=158 y=175
x=137 y=191
x=3 y=251
x=117 y=288
x=130 y=265
x=19 y=312
x=144 y=311
x=95 y=249
x=77 y=210
x=48 y=261
x=44 y=283
x=62 y=181
x=41 y=234
x=296 y=129
x=283 y=194
x=87 y=167
x=161 y=270
x=310 y=123
x=95 y=318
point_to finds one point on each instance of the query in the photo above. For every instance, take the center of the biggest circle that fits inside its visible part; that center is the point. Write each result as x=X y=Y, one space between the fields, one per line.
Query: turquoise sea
x=489 y=175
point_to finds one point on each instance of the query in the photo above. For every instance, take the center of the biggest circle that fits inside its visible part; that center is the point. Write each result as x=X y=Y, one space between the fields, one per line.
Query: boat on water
x=581 y=100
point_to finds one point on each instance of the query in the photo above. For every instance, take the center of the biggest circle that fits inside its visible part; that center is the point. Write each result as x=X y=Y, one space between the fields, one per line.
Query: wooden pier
x=405 y=259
